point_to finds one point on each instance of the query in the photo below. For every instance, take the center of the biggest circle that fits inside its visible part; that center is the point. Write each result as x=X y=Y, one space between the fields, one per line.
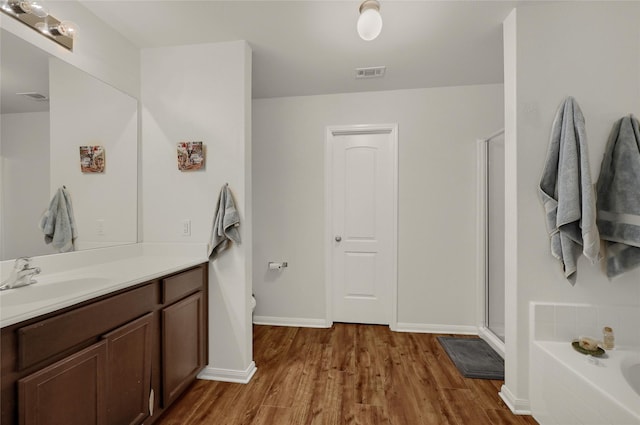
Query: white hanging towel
x=567 y=193
x=225 y=223
x=619 y=197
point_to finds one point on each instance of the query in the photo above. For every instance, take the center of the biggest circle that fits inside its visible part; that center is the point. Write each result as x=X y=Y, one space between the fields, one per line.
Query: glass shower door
x=495 y=236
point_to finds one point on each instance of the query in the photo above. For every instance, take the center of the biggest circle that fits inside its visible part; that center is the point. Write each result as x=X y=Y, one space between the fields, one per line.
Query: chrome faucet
x=21 y=275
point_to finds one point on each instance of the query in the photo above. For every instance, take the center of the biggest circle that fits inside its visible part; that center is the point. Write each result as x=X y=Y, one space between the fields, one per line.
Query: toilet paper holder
x=277 y=266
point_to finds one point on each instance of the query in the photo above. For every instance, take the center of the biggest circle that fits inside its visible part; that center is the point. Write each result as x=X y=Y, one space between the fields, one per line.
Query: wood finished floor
x=349 y=374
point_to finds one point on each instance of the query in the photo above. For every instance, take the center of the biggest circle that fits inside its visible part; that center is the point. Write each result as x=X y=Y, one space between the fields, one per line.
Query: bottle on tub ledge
x=608 y=341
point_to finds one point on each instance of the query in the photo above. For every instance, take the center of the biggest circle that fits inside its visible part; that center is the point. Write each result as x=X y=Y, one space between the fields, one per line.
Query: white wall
x=202 y=93
x=438 y=129
x=590 y=51
x=24 y=153
x=85 y=111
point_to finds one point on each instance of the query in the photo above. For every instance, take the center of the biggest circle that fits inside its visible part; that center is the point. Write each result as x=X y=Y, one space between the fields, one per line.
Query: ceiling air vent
x=372 y=72
x=34 y=96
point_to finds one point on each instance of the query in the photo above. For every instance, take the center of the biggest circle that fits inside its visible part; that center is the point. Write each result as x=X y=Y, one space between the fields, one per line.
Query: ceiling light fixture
x=369 y=21
x=35 y=15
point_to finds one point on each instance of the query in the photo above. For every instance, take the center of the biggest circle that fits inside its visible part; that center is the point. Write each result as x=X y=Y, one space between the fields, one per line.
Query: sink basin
x=631 y=371
x=49 y=290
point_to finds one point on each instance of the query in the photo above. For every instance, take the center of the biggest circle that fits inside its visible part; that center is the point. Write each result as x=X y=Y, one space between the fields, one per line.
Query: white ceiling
x=305 y=47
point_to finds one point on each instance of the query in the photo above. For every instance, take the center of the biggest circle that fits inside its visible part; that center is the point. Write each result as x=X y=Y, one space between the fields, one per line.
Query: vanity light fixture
x=64 y=28
x=35 y=15
x=369 y=22
x=34 y=8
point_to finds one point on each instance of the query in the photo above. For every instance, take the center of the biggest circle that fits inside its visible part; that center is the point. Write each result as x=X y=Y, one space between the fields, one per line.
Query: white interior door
x=363 y=225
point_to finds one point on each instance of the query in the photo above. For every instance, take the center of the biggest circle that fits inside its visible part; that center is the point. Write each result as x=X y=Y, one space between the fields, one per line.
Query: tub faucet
x=21 y=275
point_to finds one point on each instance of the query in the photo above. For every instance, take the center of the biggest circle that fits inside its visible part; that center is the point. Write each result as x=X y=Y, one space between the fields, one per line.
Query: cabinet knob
x=338 y=238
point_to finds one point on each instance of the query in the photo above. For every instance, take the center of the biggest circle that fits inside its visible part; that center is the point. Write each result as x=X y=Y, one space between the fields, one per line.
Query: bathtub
x=568 y=388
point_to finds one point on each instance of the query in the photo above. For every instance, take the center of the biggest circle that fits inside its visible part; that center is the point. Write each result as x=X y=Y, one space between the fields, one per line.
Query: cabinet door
x=183 y=348
x=70 y=392
x=129 y=372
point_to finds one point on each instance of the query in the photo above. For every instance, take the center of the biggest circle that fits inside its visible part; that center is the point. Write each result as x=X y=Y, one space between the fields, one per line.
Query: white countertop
x=80 y=276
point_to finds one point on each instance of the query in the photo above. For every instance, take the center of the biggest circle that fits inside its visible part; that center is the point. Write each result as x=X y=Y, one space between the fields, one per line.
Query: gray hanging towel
x=58 y=223
x=619 y=197
x=225 y=224
x=567 y=193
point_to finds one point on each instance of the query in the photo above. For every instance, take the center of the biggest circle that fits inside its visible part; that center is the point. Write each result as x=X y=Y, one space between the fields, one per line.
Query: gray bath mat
x=473 y=357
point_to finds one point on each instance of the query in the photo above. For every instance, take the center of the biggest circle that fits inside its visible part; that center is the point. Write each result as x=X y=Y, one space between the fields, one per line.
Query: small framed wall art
x=92 y=159
x=190 y=156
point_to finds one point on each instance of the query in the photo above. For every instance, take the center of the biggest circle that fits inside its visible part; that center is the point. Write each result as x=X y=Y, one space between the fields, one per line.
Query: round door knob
x=338 y=238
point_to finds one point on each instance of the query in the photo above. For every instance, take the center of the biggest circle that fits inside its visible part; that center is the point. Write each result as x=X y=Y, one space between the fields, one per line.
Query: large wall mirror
x=41 y=136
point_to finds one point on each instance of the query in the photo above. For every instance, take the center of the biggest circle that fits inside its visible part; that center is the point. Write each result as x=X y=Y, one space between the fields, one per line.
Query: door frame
x=482 y=270
x=338 y=130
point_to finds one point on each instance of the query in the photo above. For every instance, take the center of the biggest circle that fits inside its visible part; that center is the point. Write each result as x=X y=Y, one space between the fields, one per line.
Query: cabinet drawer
x=49 y=337
x=183 y=284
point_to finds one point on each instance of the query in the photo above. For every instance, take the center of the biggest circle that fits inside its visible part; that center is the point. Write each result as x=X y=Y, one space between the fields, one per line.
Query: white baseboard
x=291 y=321
x=228 y=375
x=436 y=329
x=490 y=338
x=517 y=406
x=400 y=327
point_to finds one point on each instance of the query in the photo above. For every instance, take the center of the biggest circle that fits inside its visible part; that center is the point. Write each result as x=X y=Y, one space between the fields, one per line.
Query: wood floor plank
x=285 y=385
x=365 y=414
x=269 y=415
x=310 y=375
x=346 y=375
x=487 y=392
x=463 y=408
x=369 y=385
x=276 y=343
x=334 y=397
x=402 y=405
x=438 y=364
x=505 y=417
x=432 y=408
x=310 y=414
x=253 y=396
x=343 y=344
x=217 y=403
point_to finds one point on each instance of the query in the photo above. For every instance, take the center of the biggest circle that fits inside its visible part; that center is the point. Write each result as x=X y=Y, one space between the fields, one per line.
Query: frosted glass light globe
x=31 y=7
x=66 y=28
x=369 y=24
x=38 y=9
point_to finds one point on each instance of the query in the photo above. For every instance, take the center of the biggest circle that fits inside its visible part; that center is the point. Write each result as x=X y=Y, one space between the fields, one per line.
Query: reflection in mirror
x=40 y=151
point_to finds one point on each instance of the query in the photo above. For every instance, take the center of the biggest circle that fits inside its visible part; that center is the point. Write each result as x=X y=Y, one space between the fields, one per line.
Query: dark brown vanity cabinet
x=120 y=359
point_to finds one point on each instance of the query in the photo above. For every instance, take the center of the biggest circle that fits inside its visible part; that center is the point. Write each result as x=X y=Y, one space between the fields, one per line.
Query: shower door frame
x=482 y=271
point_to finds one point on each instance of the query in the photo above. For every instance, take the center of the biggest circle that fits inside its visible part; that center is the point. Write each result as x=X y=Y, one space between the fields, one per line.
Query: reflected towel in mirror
x=58 y=223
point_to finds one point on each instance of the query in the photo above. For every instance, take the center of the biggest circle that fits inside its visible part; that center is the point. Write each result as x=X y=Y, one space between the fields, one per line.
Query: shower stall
x=491 y=251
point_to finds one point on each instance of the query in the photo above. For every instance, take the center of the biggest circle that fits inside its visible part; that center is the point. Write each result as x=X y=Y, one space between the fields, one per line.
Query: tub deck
x=570 y=388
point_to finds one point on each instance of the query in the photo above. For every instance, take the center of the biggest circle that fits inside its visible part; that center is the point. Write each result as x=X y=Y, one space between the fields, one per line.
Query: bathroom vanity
x=121 y=357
